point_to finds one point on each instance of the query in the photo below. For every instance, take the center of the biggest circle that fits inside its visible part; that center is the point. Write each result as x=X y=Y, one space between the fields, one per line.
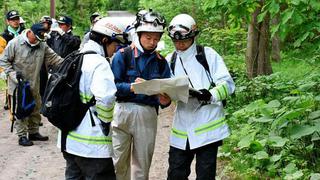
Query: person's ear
x=105 y=40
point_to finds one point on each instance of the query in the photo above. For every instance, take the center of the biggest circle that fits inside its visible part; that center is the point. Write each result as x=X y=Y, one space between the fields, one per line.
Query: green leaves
x=314 y=115
x=300 y=131
x=277 y=141
x=261 y=155
x=246 y=141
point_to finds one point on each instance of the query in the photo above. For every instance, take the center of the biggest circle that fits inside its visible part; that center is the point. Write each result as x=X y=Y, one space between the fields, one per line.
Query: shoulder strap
x=127 y=57
x=89 y=52
x=173 y=61
x=161 y=62
x=201 y=58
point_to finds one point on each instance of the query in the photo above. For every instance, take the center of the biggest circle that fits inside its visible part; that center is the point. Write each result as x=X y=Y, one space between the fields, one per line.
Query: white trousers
x=134 y=129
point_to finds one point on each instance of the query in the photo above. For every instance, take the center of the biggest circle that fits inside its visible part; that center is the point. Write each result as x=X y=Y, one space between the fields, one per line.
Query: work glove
x=205 y=95
x=14 y=76
x=202 y=95
x=105 y=128
x=58 y=30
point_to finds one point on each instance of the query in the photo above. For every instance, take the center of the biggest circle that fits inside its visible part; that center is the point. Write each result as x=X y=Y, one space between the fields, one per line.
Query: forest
x=271 y=48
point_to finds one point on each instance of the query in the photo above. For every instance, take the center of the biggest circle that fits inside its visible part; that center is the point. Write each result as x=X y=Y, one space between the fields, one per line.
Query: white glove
x=58 y=30
x=13 y=77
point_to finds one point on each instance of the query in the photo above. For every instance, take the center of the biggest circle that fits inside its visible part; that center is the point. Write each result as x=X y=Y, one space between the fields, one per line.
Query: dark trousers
x=206 y=160
x=81 y=168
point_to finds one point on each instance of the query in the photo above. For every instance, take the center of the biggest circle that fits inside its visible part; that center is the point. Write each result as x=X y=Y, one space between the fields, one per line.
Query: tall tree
x=257 y=54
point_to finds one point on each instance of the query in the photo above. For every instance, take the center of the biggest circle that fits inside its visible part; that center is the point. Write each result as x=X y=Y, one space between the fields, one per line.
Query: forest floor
x=44 y=161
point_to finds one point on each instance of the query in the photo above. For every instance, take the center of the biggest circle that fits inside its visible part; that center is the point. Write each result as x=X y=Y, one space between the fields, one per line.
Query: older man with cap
x=25 y=55
x=62 y=41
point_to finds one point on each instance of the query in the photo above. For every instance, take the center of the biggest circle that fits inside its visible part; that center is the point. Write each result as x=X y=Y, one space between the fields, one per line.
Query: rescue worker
x=13 y=30
x=25 y=54
x=89 y=147
x=62 y=41
x=93 y=19
x=200 y=125
x=135 y=119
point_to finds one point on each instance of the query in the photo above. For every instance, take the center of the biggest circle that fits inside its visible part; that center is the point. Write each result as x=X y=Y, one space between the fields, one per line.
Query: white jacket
x=201 y=124
x=96 y=80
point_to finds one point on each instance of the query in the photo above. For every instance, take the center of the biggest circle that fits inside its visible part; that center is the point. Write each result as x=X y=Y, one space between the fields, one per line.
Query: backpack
x=23 y=101
x=202 y=59
x=61 y=101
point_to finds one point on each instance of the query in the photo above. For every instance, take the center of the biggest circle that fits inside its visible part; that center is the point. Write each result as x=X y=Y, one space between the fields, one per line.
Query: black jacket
x=64 y=45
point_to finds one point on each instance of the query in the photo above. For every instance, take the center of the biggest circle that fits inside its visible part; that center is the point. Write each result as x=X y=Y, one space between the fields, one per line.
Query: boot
x=38 y=137
x=24 y=141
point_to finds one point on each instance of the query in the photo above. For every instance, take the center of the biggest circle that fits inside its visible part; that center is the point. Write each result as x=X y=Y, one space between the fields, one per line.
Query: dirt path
x=43 y=161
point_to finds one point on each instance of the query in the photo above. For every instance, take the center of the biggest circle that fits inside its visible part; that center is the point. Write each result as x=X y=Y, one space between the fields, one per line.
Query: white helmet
x=150 y=22
x=182 y=26
x=114 y=27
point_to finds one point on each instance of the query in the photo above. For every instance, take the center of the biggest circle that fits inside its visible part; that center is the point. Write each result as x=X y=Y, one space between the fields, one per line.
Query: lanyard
x=185 y=71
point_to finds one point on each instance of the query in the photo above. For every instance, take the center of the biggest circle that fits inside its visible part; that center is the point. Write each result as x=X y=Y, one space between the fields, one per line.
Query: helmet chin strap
x=104 y=44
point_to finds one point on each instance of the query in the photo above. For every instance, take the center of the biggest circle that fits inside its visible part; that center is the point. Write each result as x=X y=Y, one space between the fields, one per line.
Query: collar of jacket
x=93 y=46
x=14 y=32
x=138 y=52
x=191 y=51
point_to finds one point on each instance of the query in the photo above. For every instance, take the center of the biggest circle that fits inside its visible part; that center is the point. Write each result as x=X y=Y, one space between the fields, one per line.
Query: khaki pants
x=31 y=123
x=133 y=136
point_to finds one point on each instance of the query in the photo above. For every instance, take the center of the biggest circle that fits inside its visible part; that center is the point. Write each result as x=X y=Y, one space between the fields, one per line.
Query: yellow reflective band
x=89 y=139
x=219 y=94
x=210 y=126
x=224 y=86
x=104 y=109
x=179 y=134
x=85 y=98
x=222 y=91
x=104 y=118
x=104 y=113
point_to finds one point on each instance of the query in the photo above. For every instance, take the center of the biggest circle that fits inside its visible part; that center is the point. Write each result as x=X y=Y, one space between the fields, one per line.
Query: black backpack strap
x=14 y=103
x=161 y=63
x=173 y=61
x=127 y=57
x=89 y=52
x=201 y=58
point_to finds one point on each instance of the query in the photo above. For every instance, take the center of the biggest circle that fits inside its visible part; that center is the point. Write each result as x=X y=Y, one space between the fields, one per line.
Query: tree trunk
x=257 y=55
x=275 y=52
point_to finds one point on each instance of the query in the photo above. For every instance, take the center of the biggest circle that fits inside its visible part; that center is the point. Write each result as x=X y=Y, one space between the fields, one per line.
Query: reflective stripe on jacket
x=97 y=80
x=201 y=124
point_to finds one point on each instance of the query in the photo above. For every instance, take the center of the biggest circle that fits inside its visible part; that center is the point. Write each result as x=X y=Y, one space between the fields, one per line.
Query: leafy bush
x=278 y=133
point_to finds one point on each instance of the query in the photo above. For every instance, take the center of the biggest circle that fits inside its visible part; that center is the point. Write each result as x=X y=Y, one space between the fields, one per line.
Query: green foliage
x=277 y=135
